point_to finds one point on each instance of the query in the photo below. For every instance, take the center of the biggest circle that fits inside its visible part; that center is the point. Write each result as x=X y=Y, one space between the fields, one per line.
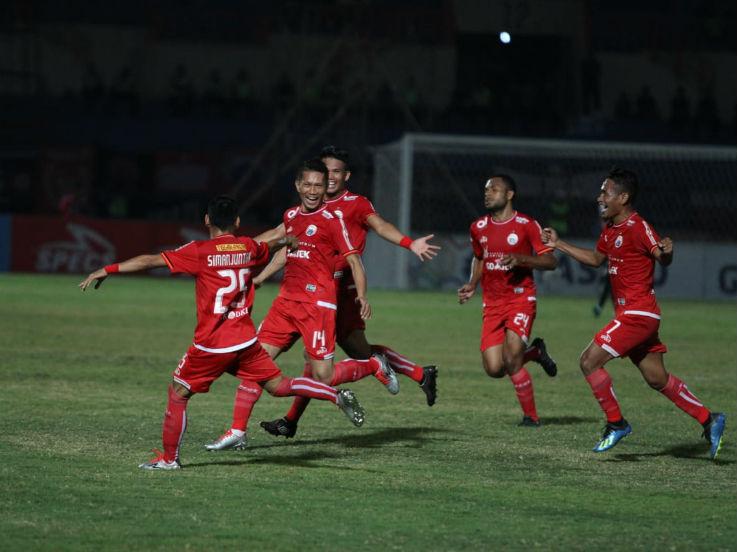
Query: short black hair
x=336 y=153
x=222 y=211
x=626 y=182
x=315 y=164
x=508 y=181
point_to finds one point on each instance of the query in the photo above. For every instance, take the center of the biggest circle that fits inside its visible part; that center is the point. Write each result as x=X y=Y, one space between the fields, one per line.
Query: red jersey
x=491 y=241
x=629 y=248
x=222 y=270
x=309 y=275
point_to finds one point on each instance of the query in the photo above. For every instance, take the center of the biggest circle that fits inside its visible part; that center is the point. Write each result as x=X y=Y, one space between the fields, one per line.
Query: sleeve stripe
x=653 y=248
x=166 y=260
x=351 y=252
x=545 y=250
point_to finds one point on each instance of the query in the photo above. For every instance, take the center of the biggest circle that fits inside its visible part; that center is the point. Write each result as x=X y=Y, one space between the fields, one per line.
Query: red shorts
x=631 y=335
x=349 y=314
x=516 y=316
x=287 y=320
x=198 y=369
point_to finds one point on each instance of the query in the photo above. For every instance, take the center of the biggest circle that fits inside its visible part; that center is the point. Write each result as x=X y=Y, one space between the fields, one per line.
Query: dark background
x=144 y=110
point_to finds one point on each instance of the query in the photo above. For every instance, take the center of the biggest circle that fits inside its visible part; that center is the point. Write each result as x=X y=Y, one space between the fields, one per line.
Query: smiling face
x=311 y=189
x=612 y=202
x=338 y=174
x=497 y=195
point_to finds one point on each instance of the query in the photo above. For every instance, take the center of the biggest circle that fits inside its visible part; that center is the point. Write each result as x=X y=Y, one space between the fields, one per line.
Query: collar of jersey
x=299 y=210
x=341 y=196
x=625 y=220
x=228 y=235
x=504 y=222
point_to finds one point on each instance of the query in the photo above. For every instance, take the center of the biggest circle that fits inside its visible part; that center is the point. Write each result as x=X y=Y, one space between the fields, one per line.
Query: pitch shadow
x=693 y=451
x=567 y=420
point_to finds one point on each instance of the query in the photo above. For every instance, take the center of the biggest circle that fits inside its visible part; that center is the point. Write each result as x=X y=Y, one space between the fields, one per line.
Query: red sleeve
x=259 y=252
x=340 y=236
x=534 y=232
x=478 y=251
x=365 y=209
x=649 y=238
x=601 y=244
x=185 y=259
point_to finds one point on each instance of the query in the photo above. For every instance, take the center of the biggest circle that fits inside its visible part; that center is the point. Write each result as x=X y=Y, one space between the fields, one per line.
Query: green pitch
x=83 y=389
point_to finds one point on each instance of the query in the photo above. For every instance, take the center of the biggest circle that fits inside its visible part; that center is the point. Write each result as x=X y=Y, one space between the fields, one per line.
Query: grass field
x=83 y=389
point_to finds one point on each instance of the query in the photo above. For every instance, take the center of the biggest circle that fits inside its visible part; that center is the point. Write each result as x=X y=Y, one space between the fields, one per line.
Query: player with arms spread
x=503 y=243
x=306 y=304
x=631 y=247
x=359 y=217
x=225 y=337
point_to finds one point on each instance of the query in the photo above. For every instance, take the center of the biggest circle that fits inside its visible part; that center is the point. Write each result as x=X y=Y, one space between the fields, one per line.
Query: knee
x=494 y=370
x=323 y=377
x=585 y=362
x=657 y=382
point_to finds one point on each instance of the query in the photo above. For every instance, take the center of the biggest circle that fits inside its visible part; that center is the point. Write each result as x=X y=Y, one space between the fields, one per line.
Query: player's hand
x=257 y=283
x=510 y=261
x=666 y=246
x=465 y=292
x=424 y=250
x=290 y=242
x=98 y=276
x=549 y=237
x=365 y=308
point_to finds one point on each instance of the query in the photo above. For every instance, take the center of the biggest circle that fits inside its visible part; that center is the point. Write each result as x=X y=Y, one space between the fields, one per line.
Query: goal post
x=433 y=183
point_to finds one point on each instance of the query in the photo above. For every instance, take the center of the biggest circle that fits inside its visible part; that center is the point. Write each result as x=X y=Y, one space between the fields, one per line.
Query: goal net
x=431 y=183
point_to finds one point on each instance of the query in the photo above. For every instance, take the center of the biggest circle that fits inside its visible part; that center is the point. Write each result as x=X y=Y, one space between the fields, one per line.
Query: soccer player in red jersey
x=307 y=302
x=225 y=338
x=503 y=243
x=359 y=217
x=631 y=247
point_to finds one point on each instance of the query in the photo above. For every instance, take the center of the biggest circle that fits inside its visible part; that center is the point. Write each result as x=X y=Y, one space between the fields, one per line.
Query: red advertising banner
x=80 y=245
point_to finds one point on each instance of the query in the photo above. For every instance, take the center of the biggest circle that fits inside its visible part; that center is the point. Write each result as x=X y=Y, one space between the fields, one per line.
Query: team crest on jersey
x=311 y=230
x=293 y=213
x=481 y=224
x=618 y=241
x=512 y=239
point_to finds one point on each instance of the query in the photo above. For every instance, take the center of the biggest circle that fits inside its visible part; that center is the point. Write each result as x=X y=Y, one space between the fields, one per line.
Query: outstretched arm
x=273 y=234
x=359 y=277
x=420 y=247
x=135 y=264
x=590 y=257
x=276 y=263
x=467 y=291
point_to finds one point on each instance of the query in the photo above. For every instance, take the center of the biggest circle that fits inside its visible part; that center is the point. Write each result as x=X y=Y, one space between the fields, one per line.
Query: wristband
x=405 y=242
x=112 y=268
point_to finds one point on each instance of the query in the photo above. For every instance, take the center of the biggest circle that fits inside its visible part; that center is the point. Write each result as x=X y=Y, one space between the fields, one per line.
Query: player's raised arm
x=359 y=277
x=420 y=247
x=590 y=257
x=135 y=264
x=467 y=290
x=277 y=262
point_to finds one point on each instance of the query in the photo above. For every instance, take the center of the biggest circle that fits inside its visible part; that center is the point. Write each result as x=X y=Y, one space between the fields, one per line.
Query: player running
x=503 y=243
x=631 y=247
x=225 y=338
x=359 y=217
x=306 y=304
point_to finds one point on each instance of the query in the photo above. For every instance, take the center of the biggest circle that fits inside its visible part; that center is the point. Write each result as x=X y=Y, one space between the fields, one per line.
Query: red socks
x=601 y=385
x=306 y=387
x=246 y=396
x=677 y=392
x=400 y=364
x=174 y=426
x=523 y=387
x=350 y=369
